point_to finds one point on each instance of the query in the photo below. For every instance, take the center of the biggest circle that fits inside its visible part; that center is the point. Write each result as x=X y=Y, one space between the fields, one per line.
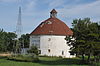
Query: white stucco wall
x=51 y=45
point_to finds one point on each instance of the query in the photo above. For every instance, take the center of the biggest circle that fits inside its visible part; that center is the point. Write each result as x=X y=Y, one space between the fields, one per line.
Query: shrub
x=33 y=50
x=24 y=58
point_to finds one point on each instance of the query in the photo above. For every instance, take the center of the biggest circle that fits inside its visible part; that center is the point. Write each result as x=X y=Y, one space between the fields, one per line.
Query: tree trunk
x=89 y=57
x=77 y=55
x=82 y=57
x=94 y=58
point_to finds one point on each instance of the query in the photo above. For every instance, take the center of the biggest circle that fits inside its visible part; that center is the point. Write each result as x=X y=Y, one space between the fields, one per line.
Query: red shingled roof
x=52 y=26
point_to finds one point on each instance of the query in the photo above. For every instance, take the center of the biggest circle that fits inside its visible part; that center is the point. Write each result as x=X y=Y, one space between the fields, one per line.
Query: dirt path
x=4 y=54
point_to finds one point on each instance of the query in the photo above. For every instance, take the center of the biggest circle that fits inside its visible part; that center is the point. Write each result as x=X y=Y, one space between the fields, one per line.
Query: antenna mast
x=19 y=24
x=19 y=30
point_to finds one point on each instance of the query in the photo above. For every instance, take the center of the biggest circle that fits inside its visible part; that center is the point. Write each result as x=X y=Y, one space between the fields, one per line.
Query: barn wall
x=51 y=45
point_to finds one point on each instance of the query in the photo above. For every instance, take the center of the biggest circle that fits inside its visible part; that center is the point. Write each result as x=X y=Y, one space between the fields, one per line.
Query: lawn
x=44 y=61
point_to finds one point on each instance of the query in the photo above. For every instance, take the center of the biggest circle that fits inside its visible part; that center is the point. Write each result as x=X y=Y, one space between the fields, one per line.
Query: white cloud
x=56 y=3
x=30 y=5
x=84 y=10
x=66 y=12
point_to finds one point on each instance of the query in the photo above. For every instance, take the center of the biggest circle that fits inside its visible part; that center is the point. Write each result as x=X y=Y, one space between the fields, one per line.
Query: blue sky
x=36 y=11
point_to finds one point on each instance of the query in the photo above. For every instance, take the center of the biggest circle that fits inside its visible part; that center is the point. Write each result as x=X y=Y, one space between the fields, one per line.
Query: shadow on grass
x=65 y=61
x=3 y=57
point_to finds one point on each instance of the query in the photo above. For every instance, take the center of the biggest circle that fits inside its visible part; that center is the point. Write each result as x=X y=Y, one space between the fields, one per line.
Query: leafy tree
x=3 y=38
x=87 y=38
x=24 y=40
x=7 y=41
x=34 y=50
x=92 y=39
x=11 y=42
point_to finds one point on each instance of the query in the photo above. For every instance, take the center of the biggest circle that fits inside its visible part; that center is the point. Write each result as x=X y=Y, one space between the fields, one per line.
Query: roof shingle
x=52 y=26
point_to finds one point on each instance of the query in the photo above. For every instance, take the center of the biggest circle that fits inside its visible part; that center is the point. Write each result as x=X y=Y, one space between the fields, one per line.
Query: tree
x=34 y=50
x=7 y=41
x=87 y=37
x=93 y=40
x=11 y=41
x=24 y=40
x=3 y=38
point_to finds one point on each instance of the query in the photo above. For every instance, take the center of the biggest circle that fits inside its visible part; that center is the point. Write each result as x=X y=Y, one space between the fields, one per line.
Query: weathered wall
x=51 y=45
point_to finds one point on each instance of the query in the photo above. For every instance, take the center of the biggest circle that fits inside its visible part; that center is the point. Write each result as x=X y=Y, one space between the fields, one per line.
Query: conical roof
x=52 y=26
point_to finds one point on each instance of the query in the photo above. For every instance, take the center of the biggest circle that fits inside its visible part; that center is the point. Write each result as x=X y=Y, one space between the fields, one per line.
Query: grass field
x=44 y=61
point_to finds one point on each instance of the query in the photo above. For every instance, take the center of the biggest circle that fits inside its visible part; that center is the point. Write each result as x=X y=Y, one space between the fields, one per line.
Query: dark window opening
x=48 y=50
x=49 y=39
x=62 y=52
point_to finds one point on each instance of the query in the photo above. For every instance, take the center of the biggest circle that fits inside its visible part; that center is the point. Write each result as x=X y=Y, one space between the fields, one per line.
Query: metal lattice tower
x=19 y=24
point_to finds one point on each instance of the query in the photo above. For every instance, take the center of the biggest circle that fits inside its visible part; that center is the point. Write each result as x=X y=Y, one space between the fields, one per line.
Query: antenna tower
x=19 y=24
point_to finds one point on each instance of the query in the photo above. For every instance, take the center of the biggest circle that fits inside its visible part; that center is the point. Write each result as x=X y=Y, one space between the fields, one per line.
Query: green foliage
x=87 y=38
x=24 y=40
x=6 y=41
x=44 y=61
x=24 y=58
x=33 y=50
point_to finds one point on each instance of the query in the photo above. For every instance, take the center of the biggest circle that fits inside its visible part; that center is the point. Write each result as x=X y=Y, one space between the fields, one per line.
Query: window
x=49 y=39
x=62 y=52
x=48 y=50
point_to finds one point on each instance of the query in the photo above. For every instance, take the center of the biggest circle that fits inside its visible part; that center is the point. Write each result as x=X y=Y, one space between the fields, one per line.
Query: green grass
x=44 y=61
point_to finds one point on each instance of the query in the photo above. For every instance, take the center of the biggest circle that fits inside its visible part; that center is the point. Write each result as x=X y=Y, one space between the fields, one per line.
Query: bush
x=34 y=50
x=24 y=58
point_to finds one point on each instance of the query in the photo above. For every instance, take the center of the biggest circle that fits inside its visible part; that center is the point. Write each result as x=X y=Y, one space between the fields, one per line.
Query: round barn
x=50 y=36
